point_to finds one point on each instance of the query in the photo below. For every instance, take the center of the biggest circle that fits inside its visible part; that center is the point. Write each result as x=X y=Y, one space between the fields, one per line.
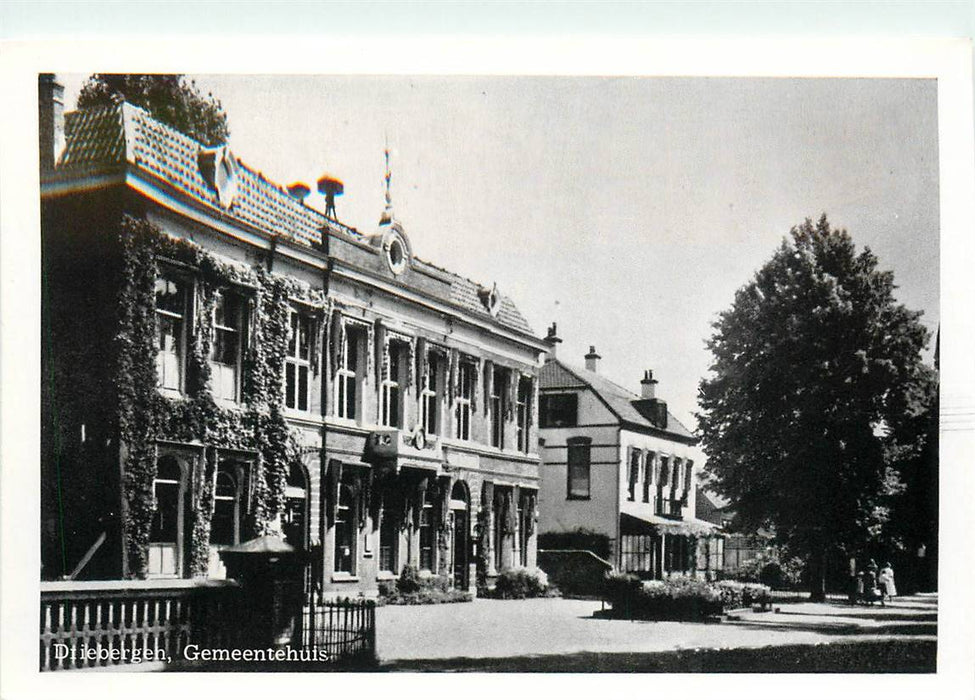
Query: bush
x=520 y=582
x=772 y=571
x=678 y=598
x=412 y=588
x=739 y=594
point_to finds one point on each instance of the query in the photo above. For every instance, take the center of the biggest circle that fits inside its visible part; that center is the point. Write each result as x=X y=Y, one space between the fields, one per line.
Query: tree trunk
x=817 y=574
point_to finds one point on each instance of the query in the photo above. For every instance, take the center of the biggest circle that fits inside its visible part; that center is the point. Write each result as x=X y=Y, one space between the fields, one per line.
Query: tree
x=815 y=370
x=169 y=98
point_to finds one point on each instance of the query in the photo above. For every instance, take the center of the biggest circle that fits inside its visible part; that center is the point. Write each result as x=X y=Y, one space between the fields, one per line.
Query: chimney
x=552 y=339
x=592 y=359
x=648 y=386
x=50 y=119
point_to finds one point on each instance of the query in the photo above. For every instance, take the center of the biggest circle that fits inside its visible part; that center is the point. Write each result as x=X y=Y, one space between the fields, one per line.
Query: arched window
x=345 y=528
x=165 y=535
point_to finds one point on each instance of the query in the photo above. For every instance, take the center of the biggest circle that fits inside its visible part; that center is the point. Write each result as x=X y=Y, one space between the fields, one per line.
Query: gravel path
x=496 y=628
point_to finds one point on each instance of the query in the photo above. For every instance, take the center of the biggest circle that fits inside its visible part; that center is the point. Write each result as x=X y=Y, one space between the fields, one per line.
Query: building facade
x=619 y=465
x=222 y=361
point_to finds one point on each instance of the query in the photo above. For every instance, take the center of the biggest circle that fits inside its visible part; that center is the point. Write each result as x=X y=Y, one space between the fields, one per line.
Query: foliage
x=412 y=588
x=815 y=365
x=580 y=538
x=772 y=570
x=169 y=98
x=145 y=416
x=739 y=594
x=521 y=582
x=678 y=598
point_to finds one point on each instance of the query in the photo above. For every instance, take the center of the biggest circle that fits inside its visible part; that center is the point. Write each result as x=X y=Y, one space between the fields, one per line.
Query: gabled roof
x=624 y=404
x=124 y=134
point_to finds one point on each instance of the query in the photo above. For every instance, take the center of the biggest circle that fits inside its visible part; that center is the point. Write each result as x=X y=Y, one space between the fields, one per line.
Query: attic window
x=491 y=299
x=395 y=254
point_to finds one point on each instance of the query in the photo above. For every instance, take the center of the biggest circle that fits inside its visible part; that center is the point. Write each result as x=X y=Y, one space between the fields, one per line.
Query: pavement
x=555 y=627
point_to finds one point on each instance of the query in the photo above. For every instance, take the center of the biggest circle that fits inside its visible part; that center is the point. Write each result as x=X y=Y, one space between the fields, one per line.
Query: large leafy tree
x=171 y=99
x=816 y=371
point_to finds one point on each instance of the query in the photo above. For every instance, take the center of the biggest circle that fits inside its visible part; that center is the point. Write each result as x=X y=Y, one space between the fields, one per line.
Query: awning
x=656 y=525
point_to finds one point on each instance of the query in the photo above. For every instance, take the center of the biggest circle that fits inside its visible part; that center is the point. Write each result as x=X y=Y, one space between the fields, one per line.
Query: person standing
x=887 y=586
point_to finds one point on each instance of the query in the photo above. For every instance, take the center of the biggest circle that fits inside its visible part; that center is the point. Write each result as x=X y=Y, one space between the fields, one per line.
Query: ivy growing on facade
x=146 y=416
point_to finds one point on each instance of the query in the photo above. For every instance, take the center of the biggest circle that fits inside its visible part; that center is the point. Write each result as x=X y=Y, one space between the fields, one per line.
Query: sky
x=626 y=209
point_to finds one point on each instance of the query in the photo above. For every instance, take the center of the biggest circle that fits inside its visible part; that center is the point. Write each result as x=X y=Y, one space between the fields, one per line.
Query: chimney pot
x=648 y=385
x=592 y=359
x=552 y=339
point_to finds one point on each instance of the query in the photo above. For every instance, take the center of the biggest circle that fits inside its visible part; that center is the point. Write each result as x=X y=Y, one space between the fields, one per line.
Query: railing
x=669 y=507
x=339 y=629
x=89 y=624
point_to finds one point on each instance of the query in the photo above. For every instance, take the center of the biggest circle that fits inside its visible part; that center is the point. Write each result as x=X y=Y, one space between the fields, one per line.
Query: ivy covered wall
x=147 y=416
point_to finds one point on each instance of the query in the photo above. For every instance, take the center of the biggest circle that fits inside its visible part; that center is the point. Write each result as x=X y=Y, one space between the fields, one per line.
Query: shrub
x=413 y=588
x=773 y=571
x=520 y=582
x=739 y=594
x=678 y=598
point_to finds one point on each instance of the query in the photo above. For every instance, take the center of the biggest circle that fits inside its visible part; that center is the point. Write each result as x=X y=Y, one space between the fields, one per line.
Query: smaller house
x=620 y=465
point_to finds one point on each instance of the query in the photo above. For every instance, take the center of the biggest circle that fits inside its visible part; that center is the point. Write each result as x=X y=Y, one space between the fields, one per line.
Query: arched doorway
x=460 y=534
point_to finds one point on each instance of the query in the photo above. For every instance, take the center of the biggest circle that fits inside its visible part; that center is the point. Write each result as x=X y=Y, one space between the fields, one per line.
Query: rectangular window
x=430 y=394
x=347 y=375
x=427 y=534
x=227 y=348
x=558 y=410
x=648 y=460
x=391 y=391
x=465 y=393
x=688 y=477
x=578 y=469
x=388 y=541
x=345 y=530
x=498 y=405
x=297 y=363
x=633 y=476
x=523 y=412
x=172 y=295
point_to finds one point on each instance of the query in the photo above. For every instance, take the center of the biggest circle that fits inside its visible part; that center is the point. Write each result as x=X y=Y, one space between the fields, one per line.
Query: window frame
x=345 y=517
x=522 y=414
x=293 y=358
x=575 y=444
x=345 y=377
x=215 y=329
x=497 y=404
x=431 y=418
x=396 y=352
x=545 y=410
x=186 y=282
x=632 y=473
x=463 y=400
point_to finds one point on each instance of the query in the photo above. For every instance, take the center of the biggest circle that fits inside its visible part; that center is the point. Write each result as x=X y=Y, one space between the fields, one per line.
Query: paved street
x=545 y=631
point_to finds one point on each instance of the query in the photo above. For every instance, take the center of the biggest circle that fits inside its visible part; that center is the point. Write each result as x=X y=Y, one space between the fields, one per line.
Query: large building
x=620 y=465
x=222 y=360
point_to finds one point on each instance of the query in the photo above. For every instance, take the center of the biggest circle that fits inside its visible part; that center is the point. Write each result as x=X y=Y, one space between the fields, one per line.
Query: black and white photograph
x=492 y=371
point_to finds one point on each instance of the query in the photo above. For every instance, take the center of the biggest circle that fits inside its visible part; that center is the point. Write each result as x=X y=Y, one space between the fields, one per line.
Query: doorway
x=460 y=536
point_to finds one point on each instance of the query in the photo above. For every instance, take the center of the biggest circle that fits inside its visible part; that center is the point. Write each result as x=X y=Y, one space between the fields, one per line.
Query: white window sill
x=386 y=576
x=339 y=577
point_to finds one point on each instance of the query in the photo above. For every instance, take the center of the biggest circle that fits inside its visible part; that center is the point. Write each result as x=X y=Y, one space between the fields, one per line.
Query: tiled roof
x=125 y=133
x=620 y=401
x=463 y=292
